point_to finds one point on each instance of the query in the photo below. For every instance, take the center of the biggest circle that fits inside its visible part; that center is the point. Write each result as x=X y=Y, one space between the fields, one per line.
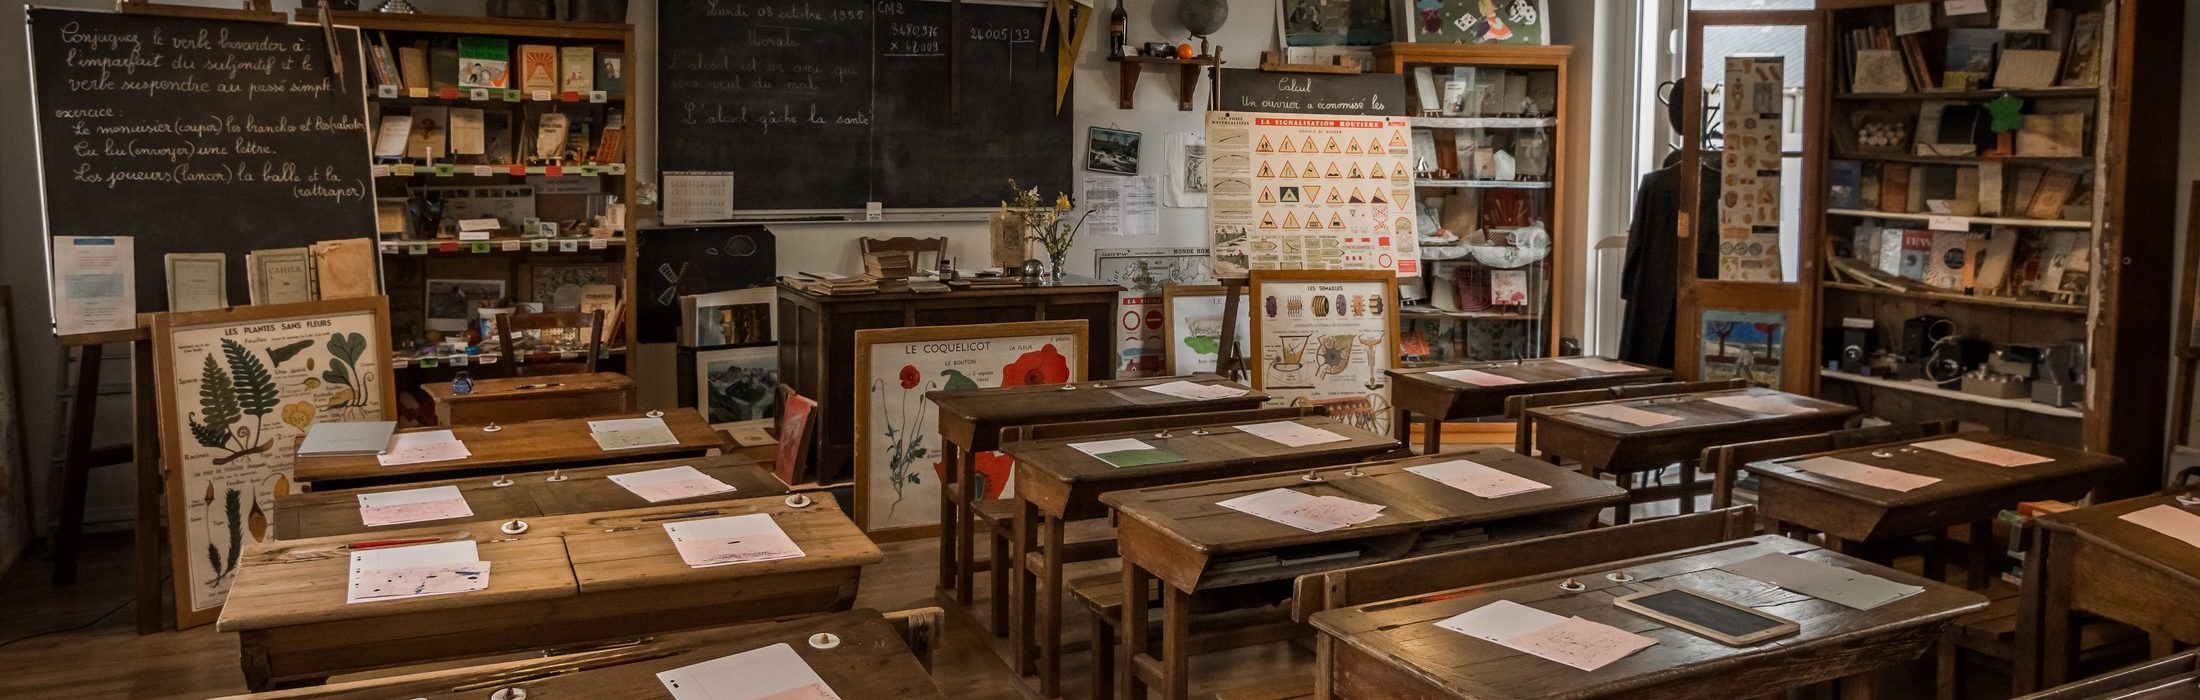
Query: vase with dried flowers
x=1048 y=224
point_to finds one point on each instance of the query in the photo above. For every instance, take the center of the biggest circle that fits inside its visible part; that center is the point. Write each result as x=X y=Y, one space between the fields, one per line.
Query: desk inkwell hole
x=1311 y=476
x=1572 y=586
x=556 y=475
x=1164 y=434
x=513 y=527
x=824 y=640
x=509 y=694
x=491 y=428
x=1619 y=577
x=798 y=501
x=501 y=482
x=2188 y=500
x=653 y=413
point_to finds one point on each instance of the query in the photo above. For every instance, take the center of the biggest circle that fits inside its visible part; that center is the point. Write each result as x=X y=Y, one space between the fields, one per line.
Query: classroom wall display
x=1324 y=337
x=898 y=456
x=1479 y=22
x=676 y=261
x=1334 y=22
x=1310 y=192
x=250 y=127
x=1139 y=344
x=1749 y=190
x=1194 y=331
x=1255 y=90
x=1146 y=269
x=238 y=387
x=737 y=384
x=1743 y=344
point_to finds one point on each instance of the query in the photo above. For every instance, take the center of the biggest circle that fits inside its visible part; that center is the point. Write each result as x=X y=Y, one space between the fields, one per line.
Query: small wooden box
x=519 y=399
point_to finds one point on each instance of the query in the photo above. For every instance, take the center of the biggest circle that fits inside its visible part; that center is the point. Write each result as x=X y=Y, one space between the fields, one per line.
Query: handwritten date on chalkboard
x=197 y=135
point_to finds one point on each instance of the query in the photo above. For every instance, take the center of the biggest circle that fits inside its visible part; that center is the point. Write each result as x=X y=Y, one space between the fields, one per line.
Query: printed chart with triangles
x=1310 y=192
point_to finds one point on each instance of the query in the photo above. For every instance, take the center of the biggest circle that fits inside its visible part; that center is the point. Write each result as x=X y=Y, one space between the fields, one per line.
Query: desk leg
x=966 y=525
x=1325 y=666
x=951 y=454
x=1401 y=425
x=1050 y=611
x=1176 y=643
x=1981 y=555
x=146 y=451
x=1020 y=595
x=77 y=464
x=1432 y=437
x=2024 y=670
x=2058 y=624
x=1133 y=632
x=1862 y=686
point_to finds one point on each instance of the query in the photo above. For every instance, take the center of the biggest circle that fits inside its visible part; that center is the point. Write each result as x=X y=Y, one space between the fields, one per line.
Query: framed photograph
x=738 y=317
x=898 y=455
x=237 y=388
x=1194 y=314
x=557 y=285
x=737 y=384
x=1475 y=21
x=1112 y=151
x=452 y=303
x=1324 y=337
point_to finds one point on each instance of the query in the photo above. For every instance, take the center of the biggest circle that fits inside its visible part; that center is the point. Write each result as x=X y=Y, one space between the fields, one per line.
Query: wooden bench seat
x=1102 y=596
x=1083 y=540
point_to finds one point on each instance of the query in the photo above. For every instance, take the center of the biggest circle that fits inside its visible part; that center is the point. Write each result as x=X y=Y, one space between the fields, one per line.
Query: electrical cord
x=103 y=616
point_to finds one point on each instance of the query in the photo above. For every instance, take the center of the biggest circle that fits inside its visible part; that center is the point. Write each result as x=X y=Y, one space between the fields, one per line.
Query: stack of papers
x=831 y=283
x=1600 y=365
x=775 y=672
x=1196 y=392
x=1292 y=434
x=670 y=484
x=2168 y=520
x=631 y=433
x=412 y=506
x=1476 y=377
x=1627 y=414
x=1868 y=475
x=337 y=438
x=1760 y=405
x=424 y=446
x=1478 y=479
x=738 y=539
x=1982 y=452
x=1573 y=641
x=1847 y=587
x=1303 y=511
x=397 y=573
x=1127 y=452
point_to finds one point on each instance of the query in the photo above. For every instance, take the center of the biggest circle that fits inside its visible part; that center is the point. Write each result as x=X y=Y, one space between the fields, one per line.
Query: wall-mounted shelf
x=1187 y=76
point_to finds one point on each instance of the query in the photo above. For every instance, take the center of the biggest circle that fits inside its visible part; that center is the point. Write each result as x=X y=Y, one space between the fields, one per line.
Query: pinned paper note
x=1126 y=452
x=412 y=506
x=631 y=433
x=1578 y=642
x=738 y=539
x=1292 y=434
x=396 y=573
x=670 y=484
x=1627 y=414
x=1197 y=392
x=775 y=672
x=1303 y=511
x=1760 y=405
x=1982 y=452
x=1476 y=377
x=423 y=446
x=1598 y=364
x=2168 y=520
x=1841 y=586
x=1868 y=475
x=1478 y=479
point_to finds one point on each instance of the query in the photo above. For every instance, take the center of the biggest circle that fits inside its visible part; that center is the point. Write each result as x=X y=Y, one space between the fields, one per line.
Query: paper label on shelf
x=445 y=170
x=386 y=91
x=542 y=95
x=511 y=95
x=569 y=246
x=598 y=96
x=403 y=169
x=379 y=170
x=478 y=94
x=389 y=247
x=538 y=246
x=484 y=171
x=1948 y=223
x=510 y=246
x=598 y=243
x=417 y=93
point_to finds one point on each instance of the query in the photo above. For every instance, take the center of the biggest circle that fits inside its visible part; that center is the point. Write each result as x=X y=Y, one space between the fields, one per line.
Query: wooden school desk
x=1418 y=391
x=2174 y=677
x=513 y=447
x=2091 y=561
x=1607 y=446
x=1055 y=483
x=971 y=422
x=1970 y=493
x=524 y=495
x=1395 y=649
x=519 y=399
x=877 y=657
x=568 y=579
x=1178 y=534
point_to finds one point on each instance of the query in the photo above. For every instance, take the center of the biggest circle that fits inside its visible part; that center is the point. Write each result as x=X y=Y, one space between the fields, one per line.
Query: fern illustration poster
x=239 y=387
x=1324 y=338
x=898 y=457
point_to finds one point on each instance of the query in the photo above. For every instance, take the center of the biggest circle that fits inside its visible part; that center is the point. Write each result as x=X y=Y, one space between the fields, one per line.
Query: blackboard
x=1250 y=90
x=198 y=136
x=677 y=261
x=830 y=104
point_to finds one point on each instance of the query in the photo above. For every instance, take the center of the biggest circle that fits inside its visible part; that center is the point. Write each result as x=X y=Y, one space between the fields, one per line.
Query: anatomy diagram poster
x=1310 y=192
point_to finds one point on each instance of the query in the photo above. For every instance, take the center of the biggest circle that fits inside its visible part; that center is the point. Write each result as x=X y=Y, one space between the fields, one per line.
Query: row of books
x=1987 y=189
x=831 y=283
x=337 y=269
x=2001 y=263
x=1881 y=59
x=489 y=137
x=487 y=62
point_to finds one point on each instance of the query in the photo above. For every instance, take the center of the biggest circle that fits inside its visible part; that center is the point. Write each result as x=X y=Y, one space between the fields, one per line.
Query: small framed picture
x=1112 y=151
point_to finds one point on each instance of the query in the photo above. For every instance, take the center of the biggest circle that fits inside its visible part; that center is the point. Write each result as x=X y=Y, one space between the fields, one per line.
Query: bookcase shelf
x=1953 y=298
x=1967 y=160
x=2051 y=93
x=1927 y=389
x=1986 y=220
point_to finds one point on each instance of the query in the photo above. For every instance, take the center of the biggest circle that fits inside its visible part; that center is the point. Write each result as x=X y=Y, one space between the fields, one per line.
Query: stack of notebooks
x=831 y=284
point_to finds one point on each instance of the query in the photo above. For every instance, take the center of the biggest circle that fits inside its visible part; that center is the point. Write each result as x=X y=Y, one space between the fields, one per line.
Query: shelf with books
x=487 y=96
x=496 y=169
x=1955 y=298
x=1930 y=389
x=502 y=245
x=1484 y=184
x=2073 y=161
x=1442 y=122
x=1965 y=220
x=2069 y=92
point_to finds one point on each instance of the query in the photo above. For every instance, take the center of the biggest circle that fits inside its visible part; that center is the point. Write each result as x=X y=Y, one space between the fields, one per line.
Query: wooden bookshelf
x=1952 y=298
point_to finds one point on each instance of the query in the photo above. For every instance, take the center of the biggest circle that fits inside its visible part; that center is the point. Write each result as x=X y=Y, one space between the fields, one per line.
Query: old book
x=2028 y=184
x=467 y=137
x=1993 y=264
x=1989 y=189
x=430 y=135
x=280 y=275
x=1847 y=183
x=611 y=71
x=550 y=135
x=2056 y=188
x=1880 y=71
x=2052 y=136
x=1894 y=188
x=484 y=62
x=2084 y=66
x=412 y=65
x=345 y=269
x=385 y=63
x=1944 y=267
x=577 y=69
x=496 y=137
x=2027 y=68
x=197 y=281
x=1970 y=58
x=443 y=67
x=1965 y=201
x=538 y=68
x=1889 y=250
x=390 y=139
x=1917 y=246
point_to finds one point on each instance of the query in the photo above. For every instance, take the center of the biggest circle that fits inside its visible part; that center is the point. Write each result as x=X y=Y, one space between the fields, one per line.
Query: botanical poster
x=1310 y=192
x=1745 y=344
x=1327 y=342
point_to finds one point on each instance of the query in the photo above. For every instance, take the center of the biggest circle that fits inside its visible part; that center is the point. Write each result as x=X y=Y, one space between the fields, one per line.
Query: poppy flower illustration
x=993 y=470
x=910 y=377
x=1045 y=365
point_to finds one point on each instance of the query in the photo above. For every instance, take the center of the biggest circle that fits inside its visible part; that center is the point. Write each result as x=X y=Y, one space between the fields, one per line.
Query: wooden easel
x=1230 y=362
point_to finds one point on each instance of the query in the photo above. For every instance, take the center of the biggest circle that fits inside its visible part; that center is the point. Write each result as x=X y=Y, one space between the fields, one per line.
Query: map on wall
x=1146 y=269
x=1310 y=192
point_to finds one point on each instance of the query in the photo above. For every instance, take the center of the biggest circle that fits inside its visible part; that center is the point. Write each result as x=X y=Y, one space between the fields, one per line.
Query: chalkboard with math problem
x=196 y=135
x=831 y=104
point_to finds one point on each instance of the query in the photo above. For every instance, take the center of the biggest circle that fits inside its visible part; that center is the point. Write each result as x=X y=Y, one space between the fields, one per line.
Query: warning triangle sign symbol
x=1374 y=147
x=1266 y=171
x=1290 y=195
x=1290 y=221
x=1356 y=173
x=1378 y=173
x=1313 y=191
x=1268 y=220
x=1335 y=221
x=1314 y=221
x=1307 y=145
x=1356 y=198
x=1378 y=198
x=1288 y=171
x=1332 y=146
x=1265 y=146
x=1334 y=172
x=1267 y=196
x=1285 y=148
x=1397 y=139
x=1352 y=147
x=1336 y=197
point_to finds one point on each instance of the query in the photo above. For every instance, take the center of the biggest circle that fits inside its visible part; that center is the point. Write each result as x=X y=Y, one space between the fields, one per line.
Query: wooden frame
x=1170 y=292
x=1781 y=626
x=316 y=387
x=1259 y=280
x=867 y=340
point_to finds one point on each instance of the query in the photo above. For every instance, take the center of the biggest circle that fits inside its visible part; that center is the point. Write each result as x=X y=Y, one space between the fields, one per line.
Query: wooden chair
x=920 y=628
x=589 y=324
x=917 y=248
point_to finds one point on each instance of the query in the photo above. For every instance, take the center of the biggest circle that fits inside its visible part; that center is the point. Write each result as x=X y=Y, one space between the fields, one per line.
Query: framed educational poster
x=1478 y=21
x=1751 y=163
x=1138 y=335
x=898 y=462
x=737 y=384
x=1743 y=344
x=1194 y=337
x=237 y=388
x=1310 y=192
x=1324 y=337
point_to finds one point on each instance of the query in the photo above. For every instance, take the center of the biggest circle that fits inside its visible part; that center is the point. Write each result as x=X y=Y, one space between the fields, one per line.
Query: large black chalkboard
x=197 y=136
x=829 y=104
x=677 y=261
x=1249 y=90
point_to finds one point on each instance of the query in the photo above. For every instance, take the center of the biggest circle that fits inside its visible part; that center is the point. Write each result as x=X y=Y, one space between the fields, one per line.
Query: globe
x=1203 y=17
